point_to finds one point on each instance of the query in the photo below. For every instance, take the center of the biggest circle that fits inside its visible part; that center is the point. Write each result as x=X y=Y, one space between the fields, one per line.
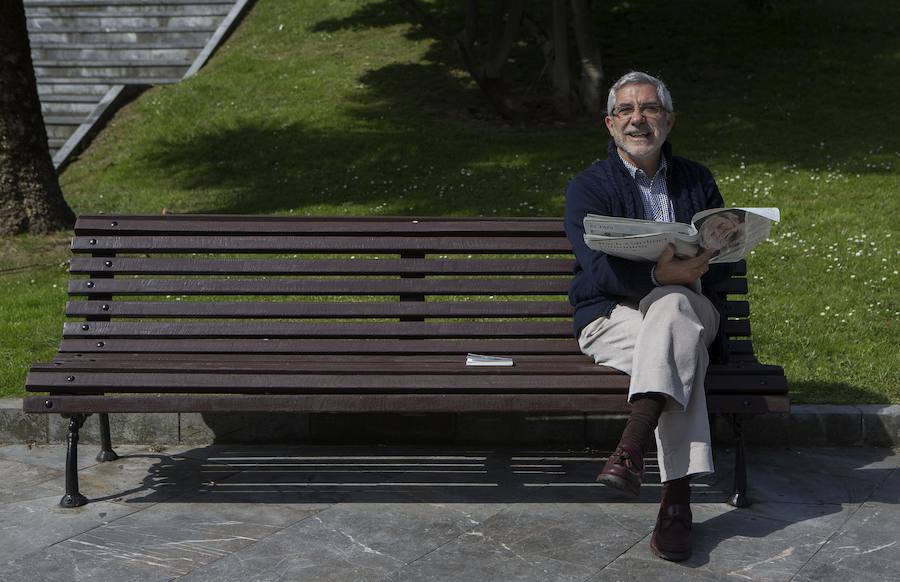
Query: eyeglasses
x=649 y=110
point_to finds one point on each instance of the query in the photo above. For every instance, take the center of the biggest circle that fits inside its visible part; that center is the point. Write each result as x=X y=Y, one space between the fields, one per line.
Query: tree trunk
x=470 y=31
x=30 y=196
x=562 y=80
x=500 y=50
x=591 y=68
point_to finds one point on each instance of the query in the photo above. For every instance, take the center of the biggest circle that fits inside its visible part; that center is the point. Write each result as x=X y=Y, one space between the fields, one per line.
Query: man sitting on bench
x=648 y=320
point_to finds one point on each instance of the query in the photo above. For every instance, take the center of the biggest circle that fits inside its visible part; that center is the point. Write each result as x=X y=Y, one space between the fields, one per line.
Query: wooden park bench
x=193 y=313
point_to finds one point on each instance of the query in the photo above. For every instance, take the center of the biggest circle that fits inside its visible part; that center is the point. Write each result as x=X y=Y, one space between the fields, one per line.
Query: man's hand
x=670 y=270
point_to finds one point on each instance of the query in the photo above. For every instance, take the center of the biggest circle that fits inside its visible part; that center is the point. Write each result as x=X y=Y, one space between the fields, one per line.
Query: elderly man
x=649 y=320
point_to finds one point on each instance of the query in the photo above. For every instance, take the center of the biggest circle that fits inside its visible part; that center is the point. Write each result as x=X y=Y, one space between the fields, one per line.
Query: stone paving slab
x=49 y=455
x=160 y=544
x=430 y=513
x=31 y=526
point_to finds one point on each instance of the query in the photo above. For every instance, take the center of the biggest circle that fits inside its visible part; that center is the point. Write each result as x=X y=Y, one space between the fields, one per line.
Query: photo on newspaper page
x=733 y=232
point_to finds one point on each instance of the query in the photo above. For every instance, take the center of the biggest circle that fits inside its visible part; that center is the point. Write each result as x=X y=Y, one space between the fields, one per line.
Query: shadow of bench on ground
x=787 y=486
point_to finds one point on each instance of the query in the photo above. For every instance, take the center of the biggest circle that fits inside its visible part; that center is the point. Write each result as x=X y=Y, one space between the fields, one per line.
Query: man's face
x=640 y=134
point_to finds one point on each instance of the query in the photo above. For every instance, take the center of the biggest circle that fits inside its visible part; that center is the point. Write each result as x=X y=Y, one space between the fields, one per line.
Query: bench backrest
x=239 y=284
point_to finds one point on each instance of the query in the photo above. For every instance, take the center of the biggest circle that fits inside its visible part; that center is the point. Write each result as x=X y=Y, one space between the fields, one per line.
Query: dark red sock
x=645 y=411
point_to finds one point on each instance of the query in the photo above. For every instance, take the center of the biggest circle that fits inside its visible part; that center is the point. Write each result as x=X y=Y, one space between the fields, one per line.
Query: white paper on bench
x=481 y=360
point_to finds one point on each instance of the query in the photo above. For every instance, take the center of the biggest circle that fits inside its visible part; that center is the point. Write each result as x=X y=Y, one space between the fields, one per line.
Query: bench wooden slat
x=547 y=403
x=264 y=309
x=732 y=286
x=320 y=244
x=325 y=346
x=357 y=267
x=236 y=225
x=238 y=359
x=737 y=309
x=252 y=329
x=358 y=286
x=738 y=348
x=390 y=382
x=525 y=286
x=257 y=382
x=242 y=363
x=407 y=329
x=275 y=266
x=312 y=309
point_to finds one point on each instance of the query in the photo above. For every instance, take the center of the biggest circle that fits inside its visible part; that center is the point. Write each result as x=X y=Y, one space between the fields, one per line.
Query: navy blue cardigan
x=606 y=187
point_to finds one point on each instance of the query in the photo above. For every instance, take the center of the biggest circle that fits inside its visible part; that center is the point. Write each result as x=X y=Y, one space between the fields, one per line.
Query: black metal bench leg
x=106 y=451
x=739 y=497
x=73 y=498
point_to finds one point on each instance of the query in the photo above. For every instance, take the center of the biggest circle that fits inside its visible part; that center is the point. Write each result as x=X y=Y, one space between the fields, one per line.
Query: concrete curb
x=805 y=425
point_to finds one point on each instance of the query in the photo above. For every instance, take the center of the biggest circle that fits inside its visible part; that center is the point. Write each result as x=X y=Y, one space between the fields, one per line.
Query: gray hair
x=639 y=78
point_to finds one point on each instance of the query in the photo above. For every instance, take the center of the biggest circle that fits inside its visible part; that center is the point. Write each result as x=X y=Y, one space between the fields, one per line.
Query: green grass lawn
x=347 y=108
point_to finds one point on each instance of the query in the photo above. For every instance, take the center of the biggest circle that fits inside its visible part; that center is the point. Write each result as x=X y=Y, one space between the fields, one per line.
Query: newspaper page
x=732 y=232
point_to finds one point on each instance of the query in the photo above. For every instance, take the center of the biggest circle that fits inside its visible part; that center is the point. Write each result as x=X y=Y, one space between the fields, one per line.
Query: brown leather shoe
x=623 y=470
x=671 y=539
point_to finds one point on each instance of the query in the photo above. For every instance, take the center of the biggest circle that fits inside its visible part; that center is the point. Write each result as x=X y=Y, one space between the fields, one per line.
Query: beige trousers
x=662 y=344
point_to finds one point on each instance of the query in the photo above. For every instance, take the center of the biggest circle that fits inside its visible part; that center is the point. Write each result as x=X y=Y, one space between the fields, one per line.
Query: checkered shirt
x=657 y=204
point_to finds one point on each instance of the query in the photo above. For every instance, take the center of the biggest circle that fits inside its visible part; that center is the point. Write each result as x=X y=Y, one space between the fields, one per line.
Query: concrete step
x=61 y=127
x=148 y=36
x=57 y=107
x=74 y=98
x=55 y=143
x=84 y=87
x=111 y=70
x=219 y=8
x=94 y=85
x=113 y=52
x=122 y=22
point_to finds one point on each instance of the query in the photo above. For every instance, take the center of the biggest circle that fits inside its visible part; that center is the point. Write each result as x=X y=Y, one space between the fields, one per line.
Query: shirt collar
x=633 y=170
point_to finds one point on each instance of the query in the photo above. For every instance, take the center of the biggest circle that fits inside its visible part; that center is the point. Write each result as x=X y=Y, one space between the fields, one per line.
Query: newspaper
x=732 y=232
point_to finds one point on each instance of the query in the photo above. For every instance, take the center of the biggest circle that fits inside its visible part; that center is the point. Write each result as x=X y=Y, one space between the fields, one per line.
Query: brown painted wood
x=227 y=224
x=356 y=267
x=410 y=329
x=359 y=286
x=330 y=360
x=547 y=403
x=320 y=244
x=329 y=309
x=324 y=346
x=363 y=364
x=387 y=380
x=393 y=358
x=737 y=309
x=418 y=330
x=320 y=309
x=732 y=286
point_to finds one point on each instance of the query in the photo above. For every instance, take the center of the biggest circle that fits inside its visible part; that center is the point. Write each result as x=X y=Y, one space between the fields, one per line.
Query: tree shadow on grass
x=785 y=91
x=778 y=88
x=271 y=170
